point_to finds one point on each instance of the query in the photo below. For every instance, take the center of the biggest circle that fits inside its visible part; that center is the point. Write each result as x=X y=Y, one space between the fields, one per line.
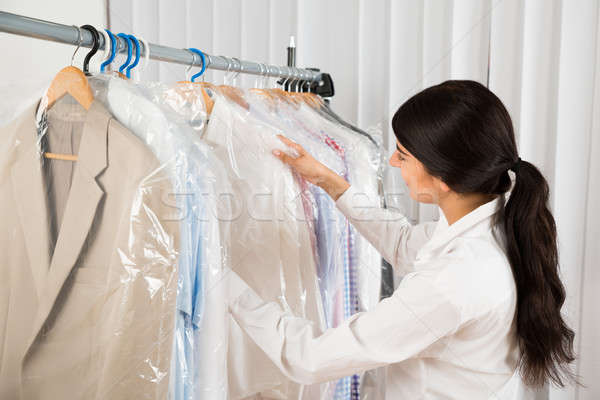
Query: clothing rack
x=319 y=83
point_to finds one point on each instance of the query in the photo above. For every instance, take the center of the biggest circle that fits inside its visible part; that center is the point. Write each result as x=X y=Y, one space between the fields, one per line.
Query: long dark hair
x=462 y=133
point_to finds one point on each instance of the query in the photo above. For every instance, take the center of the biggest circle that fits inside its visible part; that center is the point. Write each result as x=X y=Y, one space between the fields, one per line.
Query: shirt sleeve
x=390 y=232
x=416 y=316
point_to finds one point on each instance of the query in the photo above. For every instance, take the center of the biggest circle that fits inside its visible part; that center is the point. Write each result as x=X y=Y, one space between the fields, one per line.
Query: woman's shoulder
x=475 y=274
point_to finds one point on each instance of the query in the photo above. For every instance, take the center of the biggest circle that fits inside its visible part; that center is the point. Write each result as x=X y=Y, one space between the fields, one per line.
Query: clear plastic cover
x=115 y=262
x=89 y=258
x=200 y=347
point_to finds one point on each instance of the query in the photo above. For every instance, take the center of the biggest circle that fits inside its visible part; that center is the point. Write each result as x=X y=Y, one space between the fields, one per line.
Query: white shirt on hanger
x=447 y=331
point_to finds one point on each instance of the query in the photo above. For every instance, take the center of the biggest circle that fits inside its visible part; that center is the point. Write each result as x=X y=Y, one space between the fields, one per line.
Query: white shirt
x=447 y=331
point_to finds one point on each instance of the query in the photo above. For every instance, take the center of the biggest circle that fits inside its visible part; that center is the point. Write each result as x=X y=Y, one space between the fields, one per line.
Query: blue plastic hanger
x=201 y=54
x=113 y=50
x=137 y=56
x=128 y=41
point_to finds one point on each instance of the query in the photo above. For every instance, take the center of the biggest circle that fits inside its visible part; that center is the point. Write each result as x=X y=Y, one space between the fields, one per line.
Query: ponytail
x=545 y=340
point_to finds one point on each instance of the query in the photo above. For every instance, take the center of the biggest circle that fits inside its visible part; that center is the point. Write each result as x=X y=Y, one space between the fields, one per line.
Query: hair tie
x=516 y=165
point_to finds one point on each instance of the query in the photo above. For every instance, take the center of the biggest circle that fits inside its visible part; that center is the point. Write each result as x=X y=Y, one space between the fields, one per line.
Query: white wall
x=28 y=65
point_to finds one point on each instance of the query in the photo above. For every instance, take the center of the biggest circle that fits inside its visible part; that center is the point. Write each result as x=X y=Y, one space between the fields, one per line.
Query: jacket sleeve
x=390 y=232
x=416 y=316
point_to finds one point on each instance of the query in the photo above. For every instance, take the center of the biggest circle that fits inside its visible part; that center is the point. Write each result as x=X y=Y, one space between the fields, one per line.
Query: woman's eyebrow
x=398 y=148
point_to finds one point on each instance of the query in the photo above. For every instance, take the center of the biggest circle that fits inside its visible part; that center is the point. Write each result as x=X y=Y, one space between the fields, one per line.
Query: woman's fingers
x=291 y=144
x=286 y=158
x=283 y=157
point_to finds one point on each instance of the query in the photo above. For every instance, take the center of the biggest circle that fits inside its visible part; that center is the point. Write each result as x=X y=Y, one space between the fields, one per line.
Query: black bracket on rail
x=322 y=86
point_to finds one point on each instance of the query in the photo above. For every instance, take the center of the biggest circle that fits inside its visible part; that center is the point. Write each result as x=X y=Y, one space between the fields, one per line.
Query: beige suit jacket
x=92 y=318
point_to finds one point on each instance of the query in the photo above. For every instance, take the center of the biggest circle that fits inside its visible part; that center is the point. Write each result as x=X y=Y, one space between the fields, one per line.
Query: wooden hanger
x=70 y=80
x=311 y=99
x=267 y=96
x=208 y=101
x=234 y=94
x=285 y=96
x=73 y=81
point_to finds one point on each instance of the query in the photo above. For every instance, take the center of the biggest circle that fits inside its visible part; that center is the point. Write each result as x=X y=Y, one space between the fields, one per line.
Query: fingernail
x=276 y=152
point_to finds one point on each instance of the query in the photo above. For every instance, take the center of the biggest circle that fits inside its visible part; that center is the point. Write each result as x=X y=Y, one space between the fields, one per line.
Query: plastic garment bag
x=348 y=268
x=361 y=261
x=199 y=368
x=270 y=246
x=331 y=228
x=89 y=258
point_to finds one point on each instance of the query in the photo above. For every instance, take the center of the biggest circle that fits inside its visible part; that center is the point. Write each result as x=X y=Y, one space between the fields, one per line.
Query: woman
x=481 y=295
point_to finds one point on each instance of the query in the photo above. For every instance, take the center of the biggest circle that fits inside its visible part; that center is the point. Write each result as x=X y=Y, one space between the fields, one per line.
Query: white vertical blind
x=540 y=57
x=589 y=327
x=506 y=56
x=577 y=71
x=470 y=39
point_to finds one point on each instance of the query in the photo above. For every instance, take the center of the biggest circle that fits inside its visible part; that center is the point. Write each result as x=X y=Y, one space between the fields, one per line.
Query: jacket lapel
x=28 y=188
x=80 y=210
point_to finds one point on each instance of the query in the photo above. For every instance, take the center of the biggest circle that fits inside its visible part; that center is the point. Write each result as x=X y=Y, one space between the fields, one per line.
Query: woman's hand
x=312 y=170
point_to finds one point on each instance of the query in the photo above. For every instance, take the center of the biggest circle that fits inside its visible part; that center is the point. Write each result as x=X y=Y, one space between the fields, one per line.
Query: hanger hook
x=113 y=50
x=280 y=74
x=128 y=41
x=307 y=82
x=95 y=45
x=202 y=58
x=294 y=85
x=208 y=62
x=284 y=78
x=263 y=74
x=301 y=77
x=137 y=56
x=146 y=55
x=265 y=78
x=189 y=68
x=260 y=71
x=299 y=81
x=287 y=78
x=237 y=73
x=79 y=40
x=297 y=75
x=292 y=78
x=226 y=75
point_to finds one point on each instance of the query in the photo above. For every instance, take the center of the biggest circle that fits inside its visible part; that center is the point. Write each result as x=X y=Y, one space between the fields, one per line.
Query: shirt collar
x=478 y=220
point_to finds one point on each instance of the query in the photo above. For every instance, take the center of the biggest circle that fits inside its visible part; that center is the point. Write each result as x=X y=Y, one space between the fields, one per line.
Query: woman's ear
x=442 y=185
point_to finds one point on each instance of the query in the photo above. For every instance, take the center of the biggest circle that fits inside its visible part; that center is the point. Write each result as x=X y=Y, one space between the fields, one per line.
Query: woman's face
x=423 y=187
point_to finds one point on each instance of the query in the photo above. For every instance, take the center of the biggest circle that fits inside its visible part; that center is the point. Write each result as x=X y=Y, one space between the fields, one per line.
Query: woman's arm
x=417 y=315
x=388 y=231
